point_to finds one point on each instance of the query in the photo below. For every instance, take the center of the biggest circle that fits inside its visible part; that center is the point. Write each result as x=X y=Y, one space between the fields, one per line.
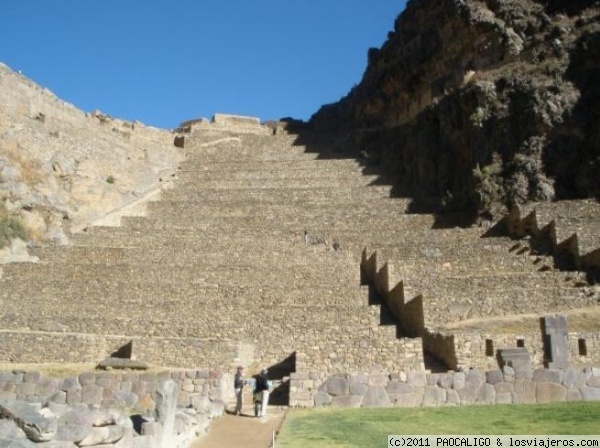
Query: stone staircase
x=220 y=272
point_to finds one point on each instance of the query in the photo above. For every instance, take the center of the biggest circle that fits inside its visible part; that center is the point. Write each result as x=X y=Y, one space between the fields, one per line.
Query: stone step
x=196 y=320
x=452 y=299
x=172 y=214
x=351 y=239
x=199 y=184
x=182 y=254
x=232 y=151
x=448 y=258
x=199 y=176
x=350 y=165
x=204 y=211
x=248 y=292
x=581 y=217
x=306 y=194
x=171 y=273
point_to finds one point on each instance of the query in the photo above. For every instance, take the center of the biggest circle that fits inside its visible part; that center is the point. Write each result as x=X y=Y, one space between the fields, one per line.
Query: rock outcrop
x=481 y=103
x=62 y=168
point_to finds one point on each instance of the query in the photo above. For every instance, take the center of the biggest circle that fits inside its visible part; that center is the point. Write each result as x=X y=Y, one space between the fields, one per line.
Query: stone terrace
x=219 y=272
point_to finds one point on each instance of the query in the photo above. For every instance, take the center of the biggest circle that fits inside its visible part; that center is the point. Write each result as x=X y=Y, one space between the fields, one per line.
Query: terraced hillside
x=257 y=256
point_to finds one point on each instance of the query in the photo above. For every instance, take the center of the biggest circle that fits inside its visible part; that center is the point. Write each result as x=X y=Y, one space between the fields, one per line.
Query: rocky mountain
x=62 y=168
x=481 y=104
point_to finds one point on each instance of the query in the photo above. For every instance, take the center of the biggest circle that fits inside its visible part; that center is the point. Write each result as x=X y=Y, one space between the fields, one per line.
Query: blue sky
x=166 y=61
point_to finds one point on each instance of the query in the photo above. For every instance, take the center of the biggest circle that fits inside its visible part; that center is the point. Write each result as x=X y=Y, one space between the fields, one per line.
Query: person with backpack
x=262 y=389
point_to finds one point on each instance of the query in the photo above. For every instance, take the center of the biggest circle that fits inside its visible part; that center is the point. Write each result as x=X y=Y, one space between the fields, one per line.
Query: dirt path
x=231 y=431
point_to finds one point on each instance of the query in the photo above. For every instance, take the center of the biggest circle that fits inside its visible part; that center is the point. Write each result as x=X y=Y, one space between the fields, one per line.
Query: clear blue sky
x=165 y=61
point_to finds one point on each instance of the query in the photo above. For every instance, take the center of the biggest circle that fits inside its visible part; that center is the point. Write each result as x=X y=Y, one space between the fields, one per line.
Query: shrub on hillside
x=11 y=228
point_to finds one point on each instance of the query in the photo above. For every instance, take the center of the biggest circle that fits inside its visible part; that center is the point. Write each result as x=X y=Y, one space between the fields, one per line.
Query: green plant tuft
x=110 y=180
x=11 y=228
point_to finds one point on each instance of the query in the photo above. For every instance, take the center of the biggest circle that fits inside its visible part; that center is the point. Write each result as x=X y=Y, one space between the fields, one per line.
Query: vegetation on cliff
x=482 y=103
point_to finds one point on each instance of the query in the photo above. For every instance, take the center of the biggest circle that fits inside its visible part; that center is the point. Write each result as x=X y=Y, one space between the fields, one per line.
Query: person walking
x=238 y=386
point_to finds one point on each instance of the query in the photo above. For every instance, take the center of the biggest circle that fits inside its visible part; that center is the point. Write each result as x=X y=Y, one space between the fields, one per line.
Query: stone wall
x=394 y=355
x=413 y=389
x=135 y=391
x=478 y=349
x=25 y=347
x=112 y=409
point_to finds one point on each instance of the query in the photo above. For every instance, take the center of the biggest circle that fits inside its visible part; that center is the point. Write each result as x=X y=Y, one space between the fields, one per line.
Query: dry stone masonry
x=257 y=256
x=128 y=410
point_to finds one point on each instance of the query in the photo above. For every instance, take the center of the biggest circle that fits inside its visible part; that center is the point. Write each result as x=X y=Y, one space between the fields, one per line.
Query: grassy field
x=337 y=428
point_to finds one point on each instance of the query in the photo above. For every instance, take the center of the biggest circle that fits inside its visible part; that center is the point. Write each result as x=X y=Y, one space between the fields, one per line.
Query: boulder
x=27 y=416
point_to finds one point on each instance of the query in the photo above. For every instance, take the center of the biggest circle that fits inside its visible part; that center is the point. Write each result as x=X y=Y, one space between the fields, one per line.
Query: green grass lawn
x=328 y=428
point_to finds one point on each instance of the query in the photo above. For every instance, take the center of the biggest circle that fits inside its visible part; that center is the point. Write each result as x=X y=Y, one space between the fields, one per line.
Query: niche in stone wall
x=489 y=347
x=581 y=344
x=520 y=342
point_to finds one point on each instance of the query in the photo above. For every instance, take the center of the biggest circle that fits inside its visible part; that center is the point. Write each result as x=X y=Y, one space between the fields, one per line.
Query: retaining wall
x=414 y=389
x=125 y=390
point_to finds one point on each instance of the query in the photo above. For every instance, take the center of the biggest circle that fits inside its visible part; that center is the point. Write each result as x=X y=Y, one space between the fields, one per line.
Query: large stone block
x=517 y=358
x=70 y=383
x=91 y=394
x=347 y=401
x=358 y=389
x=555 y=329
x=322 y=399
x=487 y=394
x=409 y=400
x=458 y=380
x=336 y=386
x=75 y=425
x=494 y=376
x=590 y=393
x=594 y=381
x=103 y=435
x=376 y=397
x=397 y=387
x=166 y=405
x=574 y=395
x=46 y=387
x=524 y=391
x=547 y=376
x=504 y=388
x=378 y=379
x=416 y=378
x=573 y=378
x=469 y=393
x=126 y=399
x=504 y=398
x=10 y=431
x=452 y=397
x=434 y=396
x=475 y=376
x=19 y=443
x=37 y=427
x=87 y=378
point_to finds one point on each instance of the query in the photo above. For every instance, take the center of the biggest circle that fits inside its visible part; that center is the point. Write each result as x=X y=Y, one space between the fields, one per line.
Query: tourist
x=238 y=386
x=257 y=398
x=263 y=386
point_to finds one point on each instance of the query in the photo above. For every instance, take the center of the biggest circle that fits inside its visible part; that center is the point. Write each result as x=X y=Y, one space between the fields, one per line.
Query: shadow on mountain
x=332 y=146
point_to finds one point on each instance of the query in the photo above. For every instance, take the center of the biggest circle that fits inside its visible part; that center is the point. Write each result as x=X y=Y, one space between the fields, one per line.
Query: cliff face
x=482 y=102
x=62 y=168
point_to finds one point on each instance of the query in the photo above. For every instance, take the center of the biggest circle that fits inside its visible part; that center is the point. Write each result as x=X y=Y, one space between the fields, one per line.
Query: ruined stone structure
x=265 y=253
